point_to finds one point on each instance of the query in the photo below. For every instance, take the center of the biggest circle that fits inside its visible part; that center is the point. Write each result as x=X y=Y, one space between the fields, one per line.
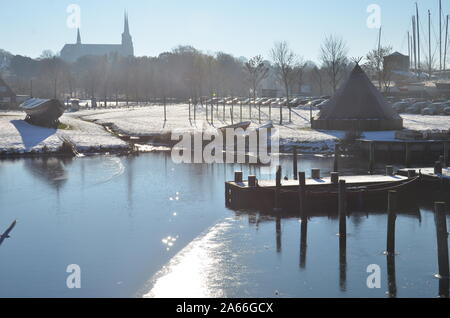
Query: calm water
x=144 y=226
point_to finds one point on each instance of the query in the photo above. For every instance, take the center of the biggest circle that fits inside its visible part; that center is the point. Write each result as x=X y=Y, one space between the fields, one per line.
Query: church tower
x=78 y=37
x=127 y=40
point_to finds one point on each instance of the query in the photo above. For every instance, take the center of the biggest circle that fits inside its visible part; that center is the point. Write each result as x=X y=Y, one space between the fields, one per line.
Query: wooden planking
x=327 y=181
x=428 y=172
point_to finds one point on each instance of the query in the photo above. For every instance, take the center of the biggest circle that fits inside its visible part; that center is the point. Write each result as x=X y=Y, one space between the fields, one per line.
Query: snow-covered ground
x=19 y=137
x=87 y=133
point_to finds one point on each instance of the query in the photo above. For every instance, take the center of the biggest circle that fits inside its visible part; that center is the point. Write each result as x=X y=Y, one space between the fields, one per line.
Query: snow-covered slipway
x=84 y=129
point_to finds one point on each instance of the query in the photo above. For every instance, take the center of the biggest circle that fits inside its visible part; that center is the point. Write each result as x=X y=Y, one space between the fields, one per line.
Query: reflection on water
x=145 y=226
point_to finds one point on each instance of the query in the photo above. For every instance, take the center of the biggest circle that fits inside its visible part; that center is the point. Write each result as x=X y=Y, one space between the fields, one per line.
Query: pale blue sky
x=239 y=27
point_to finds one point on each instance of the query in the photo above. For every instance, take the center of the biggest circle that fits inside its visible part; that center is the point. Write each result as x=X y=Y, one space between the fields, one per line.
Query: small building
x=7 y=96
x=396 y=62
x=269 y=93
x=358 y=105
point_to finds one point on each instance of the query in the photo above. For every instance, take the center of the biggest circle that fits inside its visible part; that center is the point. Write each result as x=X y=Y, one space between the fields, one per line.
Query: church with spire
x=72 y=52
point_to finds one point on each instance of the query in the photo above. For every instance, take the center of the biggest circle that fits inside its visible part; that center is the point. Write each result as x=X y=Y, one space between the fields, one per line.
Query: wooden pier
x=361 y=192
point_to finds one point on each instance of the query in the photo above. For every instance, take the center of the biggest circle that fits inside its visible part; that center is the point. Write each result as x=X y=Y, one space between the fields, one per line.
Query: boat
x=43 y=112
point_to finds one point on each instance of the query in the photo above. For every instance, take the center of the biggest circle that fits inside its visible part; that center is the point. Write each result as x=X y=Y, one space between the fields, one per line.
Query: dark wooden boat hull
x=45 y=114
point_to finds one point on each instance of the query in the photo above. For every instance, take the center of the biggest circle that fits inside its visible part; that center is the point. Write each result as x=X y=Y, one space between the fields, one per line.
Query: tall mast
x=429 y=43
x=414 y=42
x=418 y=37
x=440 y=35
x=409 y=49
x=446 y=42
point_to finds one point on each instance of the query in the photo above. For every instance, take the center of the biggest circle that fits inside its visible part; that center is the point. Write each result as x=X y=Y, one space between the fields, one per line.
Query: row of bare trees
x=182 y=73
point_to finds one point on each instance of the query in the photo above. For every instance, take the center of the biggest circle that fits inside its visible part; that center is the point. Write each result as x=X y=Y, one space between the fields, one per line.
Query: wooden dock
x=362 y=192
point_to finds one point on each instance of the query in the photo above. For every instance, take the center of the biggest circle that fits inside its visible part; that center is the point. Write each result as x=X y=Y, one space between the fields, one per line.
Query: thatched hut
x=358 y=105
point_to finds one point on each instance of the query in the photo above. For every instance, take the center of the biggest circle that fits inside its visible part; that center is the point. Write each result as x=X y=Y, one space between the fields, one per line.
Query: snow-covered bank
x=87 y=134
x=19 y=138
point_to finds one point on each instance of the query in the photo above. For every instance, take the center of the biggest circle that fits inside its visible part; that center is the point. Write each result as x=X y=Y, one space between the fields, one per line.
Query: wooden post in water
x=442 y=240
x=336 y=158
x=437 y=168
x=295 y=163
x=342 y=201
x=238 y=176
x=392 y=216
x=301 y=194
x=165 y=109
x=252 y=181
x=445 y=154
x=392 y=280
x=389 y=170
x=277 y=189
x=371 y=157
x=407 y=155
x=315 y=174
x=335 y=178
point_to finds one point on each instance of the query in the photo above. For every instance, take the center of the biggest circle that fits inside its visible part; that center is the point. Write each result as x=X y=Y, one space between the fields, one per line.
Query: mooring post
x=389 y=170
x=295 y=163
x=303 y=240
x=335 y=178
x=438 y=168
x=252 y=181
x=301 y=193
x=277 y=188
x=392 y=216
x=206 y=112
x=238 y=177
x=165 y=109
x=315 y=174
x=442 y=160
x=195 y=108
x=342 y=201
x=445 y=154
x=407 y=155
x=212 y=114
x=371 y=157
x=392 y=280
x=336 y=158
x=442 y=240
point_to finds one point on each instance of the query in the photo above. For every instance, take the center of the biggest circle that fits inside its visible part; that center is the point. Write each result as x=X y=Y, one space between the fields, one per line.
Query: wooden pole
x=343 y=262
x=278 y=233
x=189 y=109
x=407 y=155
x=238 y=177
x=442 y=240
x=371 y=157
x=392 y=216
x=277 y=188
x=301 y=194
x=342 y=208
x=240 y=111
x=303 y=241
x=445 y=154
x=259 y=112
x=336 y=159
x=392 y=280
x=165 y=109
x=295 y=163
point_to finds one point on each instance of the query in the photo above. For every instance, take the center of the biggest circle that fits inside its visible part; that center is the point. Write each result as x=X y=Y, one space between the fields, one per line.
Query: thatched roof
x=358 y=98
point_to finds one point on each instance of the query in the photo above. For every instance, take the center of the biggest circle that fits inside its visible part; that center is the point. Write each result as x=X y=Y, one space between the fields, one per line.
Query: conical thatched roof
x=358 y=105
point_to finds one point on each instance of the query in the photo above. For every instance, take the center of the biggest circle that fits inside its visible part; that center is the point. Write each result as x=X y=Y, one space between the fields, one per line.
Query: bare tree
x=284 y=60
x=299 y=71
x=375 y=65
x=334 y=59
x=257 y=71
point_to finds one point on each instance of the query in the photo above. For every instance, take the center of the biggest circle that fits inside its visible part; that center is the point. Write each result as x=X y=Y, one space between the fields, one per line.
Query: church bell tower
x=127 y=40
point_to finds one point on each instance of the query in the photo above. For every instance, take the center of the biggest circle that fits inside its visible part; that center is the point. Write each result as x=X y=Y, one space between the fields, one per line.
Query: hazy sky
x=239 y=27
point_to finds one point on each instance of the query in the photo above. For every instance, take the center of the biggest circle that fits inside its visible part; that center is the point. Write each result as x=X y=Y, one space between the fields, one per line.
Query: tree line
x=184 y=73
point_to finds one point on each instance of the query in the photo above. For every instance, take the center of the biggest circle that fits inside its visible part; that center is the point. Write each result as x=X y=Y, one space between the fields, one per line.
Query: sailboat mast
x=414 y=42
x=446 y=42
x=429 y=43
x=440 y=35
x=409 y=49
x=418 y=37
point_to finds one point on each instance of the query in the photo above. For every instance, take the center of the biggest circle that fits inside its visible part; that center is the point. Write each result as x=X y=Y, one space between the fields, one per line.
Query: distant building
x=7 y=96
x=268 y=92
x=72 y=52
x=396 y=62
